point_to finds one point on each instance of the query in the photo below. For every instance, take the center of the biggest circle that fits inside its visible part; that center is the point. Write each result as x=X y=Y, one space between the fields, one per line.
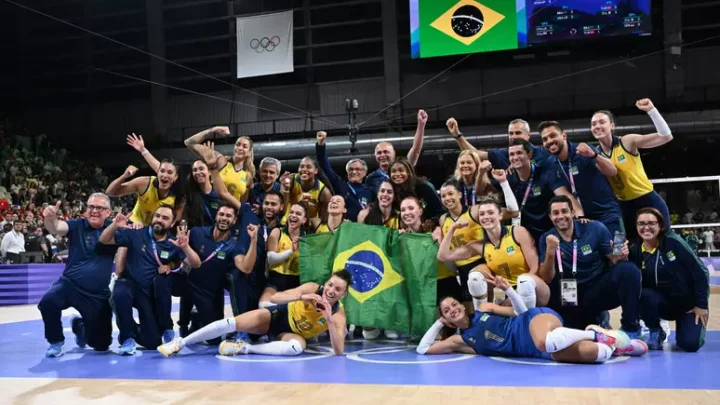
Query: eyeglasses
x=96 y=208
x=648 y=223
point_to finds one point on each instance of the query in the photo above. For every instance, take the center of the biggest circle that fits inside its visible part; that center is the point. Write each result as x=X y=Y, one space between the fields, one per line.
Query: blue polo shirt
x=245 y=217
x=357 y=195
x=142 y=265
x=500 y=158
x=376 y=178
x=209 y=275
x=90 y=263
x=593 y=247
x=258 y=193
x=534 y=215
x=591 y=186
x=211 y=204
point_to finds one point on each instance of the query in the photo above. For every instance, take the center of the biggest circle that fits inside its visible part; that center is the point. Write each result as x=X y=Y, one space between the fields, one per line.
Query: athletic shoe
x=656 y=339
x=615 y=338
x=637 y=348
x=391 y=334
x=78 y=328
x=371 y=333
x=168 y=336
x=228 y=348
x=665 y=325
x=171 y=348
x=55 y=350
x=127 y=348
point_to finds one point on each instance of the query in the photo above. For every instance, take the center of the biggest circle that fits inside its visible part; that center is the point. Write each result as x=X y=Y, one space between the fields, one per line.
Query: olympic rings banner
x=265 y=44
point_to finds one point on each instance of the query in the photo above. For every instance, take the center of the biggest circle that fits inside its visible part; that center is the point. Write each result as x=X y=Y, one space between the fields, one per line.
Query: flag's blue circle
x=367 y=270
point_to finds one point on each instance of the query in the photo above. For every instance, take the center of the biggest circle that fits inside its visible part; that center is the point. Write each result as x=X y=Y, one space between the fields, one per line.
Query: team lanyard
x=154 y=248
x=569 y=177
x=357 y=197
x=472 y=195
x=529 y=187
x=216 y=251
x=574 y=260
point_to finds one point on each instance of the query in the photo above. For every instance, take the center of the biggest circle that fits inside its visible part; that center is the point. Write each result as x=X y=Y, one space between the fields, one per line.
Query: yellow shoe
x=228 y=348
x=171 y=348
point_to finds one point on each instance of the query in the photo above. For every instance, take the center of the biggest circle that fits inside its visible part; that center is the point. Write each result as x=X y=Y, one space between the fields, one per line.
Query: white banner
x=265 y=44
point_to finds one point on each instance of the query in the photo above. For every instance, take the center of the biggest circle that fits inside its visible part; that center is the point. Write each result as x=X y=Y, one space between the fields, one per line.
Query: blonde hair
x=475 y=158
x=249 y=164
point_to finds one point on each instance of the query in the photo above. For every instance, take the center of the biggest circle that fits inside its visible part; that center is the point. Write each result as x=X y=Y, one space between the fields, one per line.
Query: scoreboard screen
x=454 y=27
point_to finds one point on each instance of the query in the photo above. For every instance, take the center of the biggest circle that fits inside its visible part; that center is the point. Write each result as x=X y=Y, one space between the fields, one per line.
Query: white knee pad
x=477 y=285
x=265 y=304
x=526 y=290
x=292 y=348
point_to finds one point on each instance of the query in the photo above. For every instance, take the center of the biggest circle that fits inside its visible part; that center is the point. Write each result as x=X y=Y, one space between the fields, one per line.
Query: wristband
x=144 y=152
x=459 y=135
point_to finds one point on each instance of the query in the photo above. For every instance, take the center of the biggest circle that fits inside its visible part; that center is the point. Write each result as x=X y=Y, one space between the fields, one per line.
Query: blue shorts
x=524 y=345
x=279 y=322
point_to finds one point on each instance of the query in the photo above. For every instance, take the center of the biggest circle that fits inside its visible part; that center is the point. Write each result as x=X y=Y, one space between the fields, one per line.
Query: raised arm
x=547 y=248
x=416 y=149
x=324 y=162
x=246 y=262
x=633 y=142
x=445 y=254
x=195 y=142
x=207 y=153
x=605 y=165
x=51 y=222
x=463 y=143
x=107 y=237
x=120 y=187
x=137 y=143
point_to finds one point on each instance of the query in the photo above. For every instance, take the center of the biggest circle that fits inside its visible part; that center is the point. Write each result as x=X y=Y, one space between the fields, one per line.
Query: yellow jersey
x=149 y=201
x=307 y=321
x=393 y=222
x=324 y=228
x=463 y=236
x=314 y=204
x=630 y=182
x=235 y=180
x=291 y=266
x=506 y=260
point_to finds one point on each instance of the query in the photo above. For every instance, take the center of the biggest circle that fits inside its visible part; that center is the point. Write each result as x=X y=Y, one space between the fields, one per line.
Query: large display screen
x=453 y=27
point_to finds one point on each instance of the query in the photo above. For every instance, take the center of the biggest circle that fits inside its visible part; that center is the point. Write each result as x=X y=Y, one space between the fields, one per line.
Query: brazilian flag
x=394 y=276
x=452 y=27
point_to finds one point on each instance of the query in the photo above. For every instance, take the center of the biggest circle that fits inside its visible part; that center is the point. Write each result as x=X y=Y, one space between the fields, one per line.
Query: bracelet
x=144 y=152
x=459 y=135
x=594 y=156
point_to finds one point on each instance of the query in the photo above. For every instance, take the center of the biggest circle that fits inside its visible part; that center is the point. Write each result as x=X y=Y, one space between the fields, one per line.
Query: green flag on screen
x=451 y=27
x=394 y=276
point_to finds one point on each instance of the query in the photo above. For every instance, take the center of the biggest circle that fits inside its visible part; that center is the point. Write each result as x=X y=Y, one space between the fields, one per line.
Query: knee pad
x=526 y=290
x=265 y=304
x=477 y=286
x=292 y=348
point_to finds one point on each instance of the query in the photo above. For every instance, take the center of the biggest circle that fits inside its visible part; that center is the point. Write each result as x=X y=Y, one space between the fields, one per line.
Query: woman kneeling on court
x=298 y=314
x=675 y=283
x=536 y=333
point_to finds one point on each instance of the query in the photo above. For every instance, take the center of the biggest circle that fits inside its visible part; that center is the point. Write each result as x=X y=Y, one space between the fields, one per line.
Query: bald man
x=385 y=154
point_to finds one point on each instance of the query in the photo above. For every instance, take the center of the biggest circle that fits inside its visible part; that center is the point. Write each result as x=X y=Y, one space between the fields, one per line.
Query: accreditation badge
x=569 y=293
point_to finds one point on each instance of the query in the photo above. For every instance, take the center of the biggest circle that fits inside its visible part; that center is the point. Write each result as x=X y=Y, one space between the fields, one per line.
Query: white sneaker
x=391 y=334
x=371 y=333
x=229 y=348
x=171 y=348
x=665 y=325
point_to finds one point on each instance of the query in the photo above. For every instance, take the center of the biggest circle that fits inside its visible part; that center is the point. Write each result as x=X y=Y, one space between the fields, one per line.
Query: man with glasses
x=84 y=282
x=356 y=194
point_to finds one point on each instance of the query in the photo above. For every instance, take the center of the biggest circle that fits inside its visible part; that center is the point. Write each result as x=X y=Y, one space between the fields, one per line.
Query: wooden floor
x=125 y=392
x=51 y=391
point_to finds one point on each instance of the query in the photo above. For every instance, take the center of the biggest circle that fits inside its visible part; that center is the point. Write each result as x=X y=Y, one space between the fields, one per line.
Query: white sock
x=526 y=289
x=605 y=353
x=265 y=304
x=477 y=286
x=562 y=338
x=211 y=331
x=288 y=348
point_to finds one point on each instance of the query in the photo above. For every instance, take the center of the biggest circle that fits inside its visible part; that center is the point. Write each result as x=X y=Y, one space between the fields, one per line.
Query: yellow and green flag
x=452 y=27
x=394 y=276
